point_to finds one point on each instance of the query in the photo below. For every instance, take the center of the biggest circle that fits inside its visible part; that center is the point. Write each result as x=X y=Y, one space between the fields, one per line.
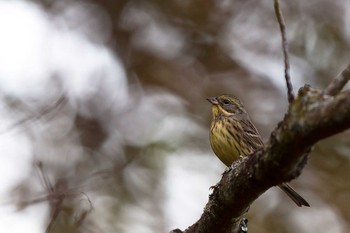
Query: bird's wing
x=251 y=134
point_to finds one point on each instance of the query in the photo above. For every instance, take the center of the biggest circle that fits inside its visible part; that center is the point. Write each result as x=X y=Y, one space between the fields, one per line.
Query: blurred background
x=104 y=122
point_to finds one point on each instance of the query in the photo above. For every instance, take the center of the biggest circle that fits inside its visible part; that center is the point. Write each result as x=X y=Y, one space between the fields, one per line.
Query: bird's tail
x=292 y=194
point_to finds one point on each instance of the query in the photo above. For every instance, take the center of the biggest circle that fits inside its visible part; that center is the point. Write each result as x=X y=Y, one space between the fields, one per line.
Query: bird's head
x=226 y=105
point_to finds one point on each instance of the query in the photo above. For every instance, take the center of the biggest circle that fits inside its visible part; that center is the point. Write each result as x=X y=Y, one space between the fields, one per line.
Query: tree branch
x=282 y=25
x=339 y=82
x=312 y=116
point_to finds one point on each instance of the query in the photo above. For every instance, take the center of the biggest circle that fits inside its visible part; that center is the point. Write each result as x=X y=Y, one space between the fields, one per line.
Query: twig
x=282 y=25
x=81 y=218
x=44 y=178
x=60 y=101
x=339 y=82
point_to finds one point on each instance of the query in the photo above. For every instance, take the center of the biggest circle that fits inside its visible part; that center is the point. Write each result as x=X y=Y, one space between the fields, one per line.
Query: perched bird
x=232 y=135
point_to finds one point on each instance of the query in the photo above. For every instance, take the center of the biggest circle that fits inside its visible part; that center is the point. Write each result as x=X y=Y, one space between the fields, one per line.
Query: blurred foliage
x=176 y=53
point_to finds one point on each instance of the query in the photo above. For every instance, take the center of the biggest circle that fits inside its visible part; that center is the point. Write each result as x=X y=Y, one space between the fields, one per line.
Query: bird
x=233 y=135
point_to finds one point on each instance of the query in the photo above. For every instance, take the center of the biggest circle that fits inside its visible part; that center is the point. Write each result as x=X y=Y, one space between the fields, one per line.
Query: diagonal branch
x=312 y=116
x=338 y=82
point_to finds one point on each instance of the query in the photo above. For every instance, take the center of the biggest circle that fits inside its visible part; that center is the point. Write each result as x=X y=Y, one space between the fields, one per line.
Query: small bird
x=232 y=135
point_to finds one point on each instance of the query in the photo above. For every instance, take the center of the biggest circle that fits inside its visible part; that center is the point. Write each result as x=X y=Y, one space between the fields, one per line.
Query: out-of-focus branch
x=338 y=82
x=312 y=116
x=282 y=25
x=60 y=101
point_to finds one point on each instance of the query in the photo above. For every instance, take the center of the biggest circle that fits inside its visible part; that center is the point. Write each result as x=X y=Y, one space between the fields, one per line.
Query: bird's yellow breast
x=224 y=145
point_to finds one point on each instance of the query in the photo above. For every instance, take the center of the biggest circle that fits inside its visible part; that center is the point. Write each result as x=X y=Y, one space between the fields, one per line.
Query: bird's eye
x=226 y=101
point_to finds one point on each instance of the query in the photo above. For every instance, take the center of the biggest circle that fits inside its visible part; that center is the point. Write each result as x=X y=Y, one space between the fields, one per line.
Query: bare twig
x=80 y=219
x=60 y=101
x=44 y=178
x=282 y=25
x=56 y=195
x=57 y=207
x=339 y=82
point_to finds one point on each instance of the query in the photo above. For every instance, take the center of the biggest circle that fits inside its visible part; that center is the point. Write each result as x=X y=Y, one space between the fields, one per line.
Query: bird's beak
x=213 y=100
